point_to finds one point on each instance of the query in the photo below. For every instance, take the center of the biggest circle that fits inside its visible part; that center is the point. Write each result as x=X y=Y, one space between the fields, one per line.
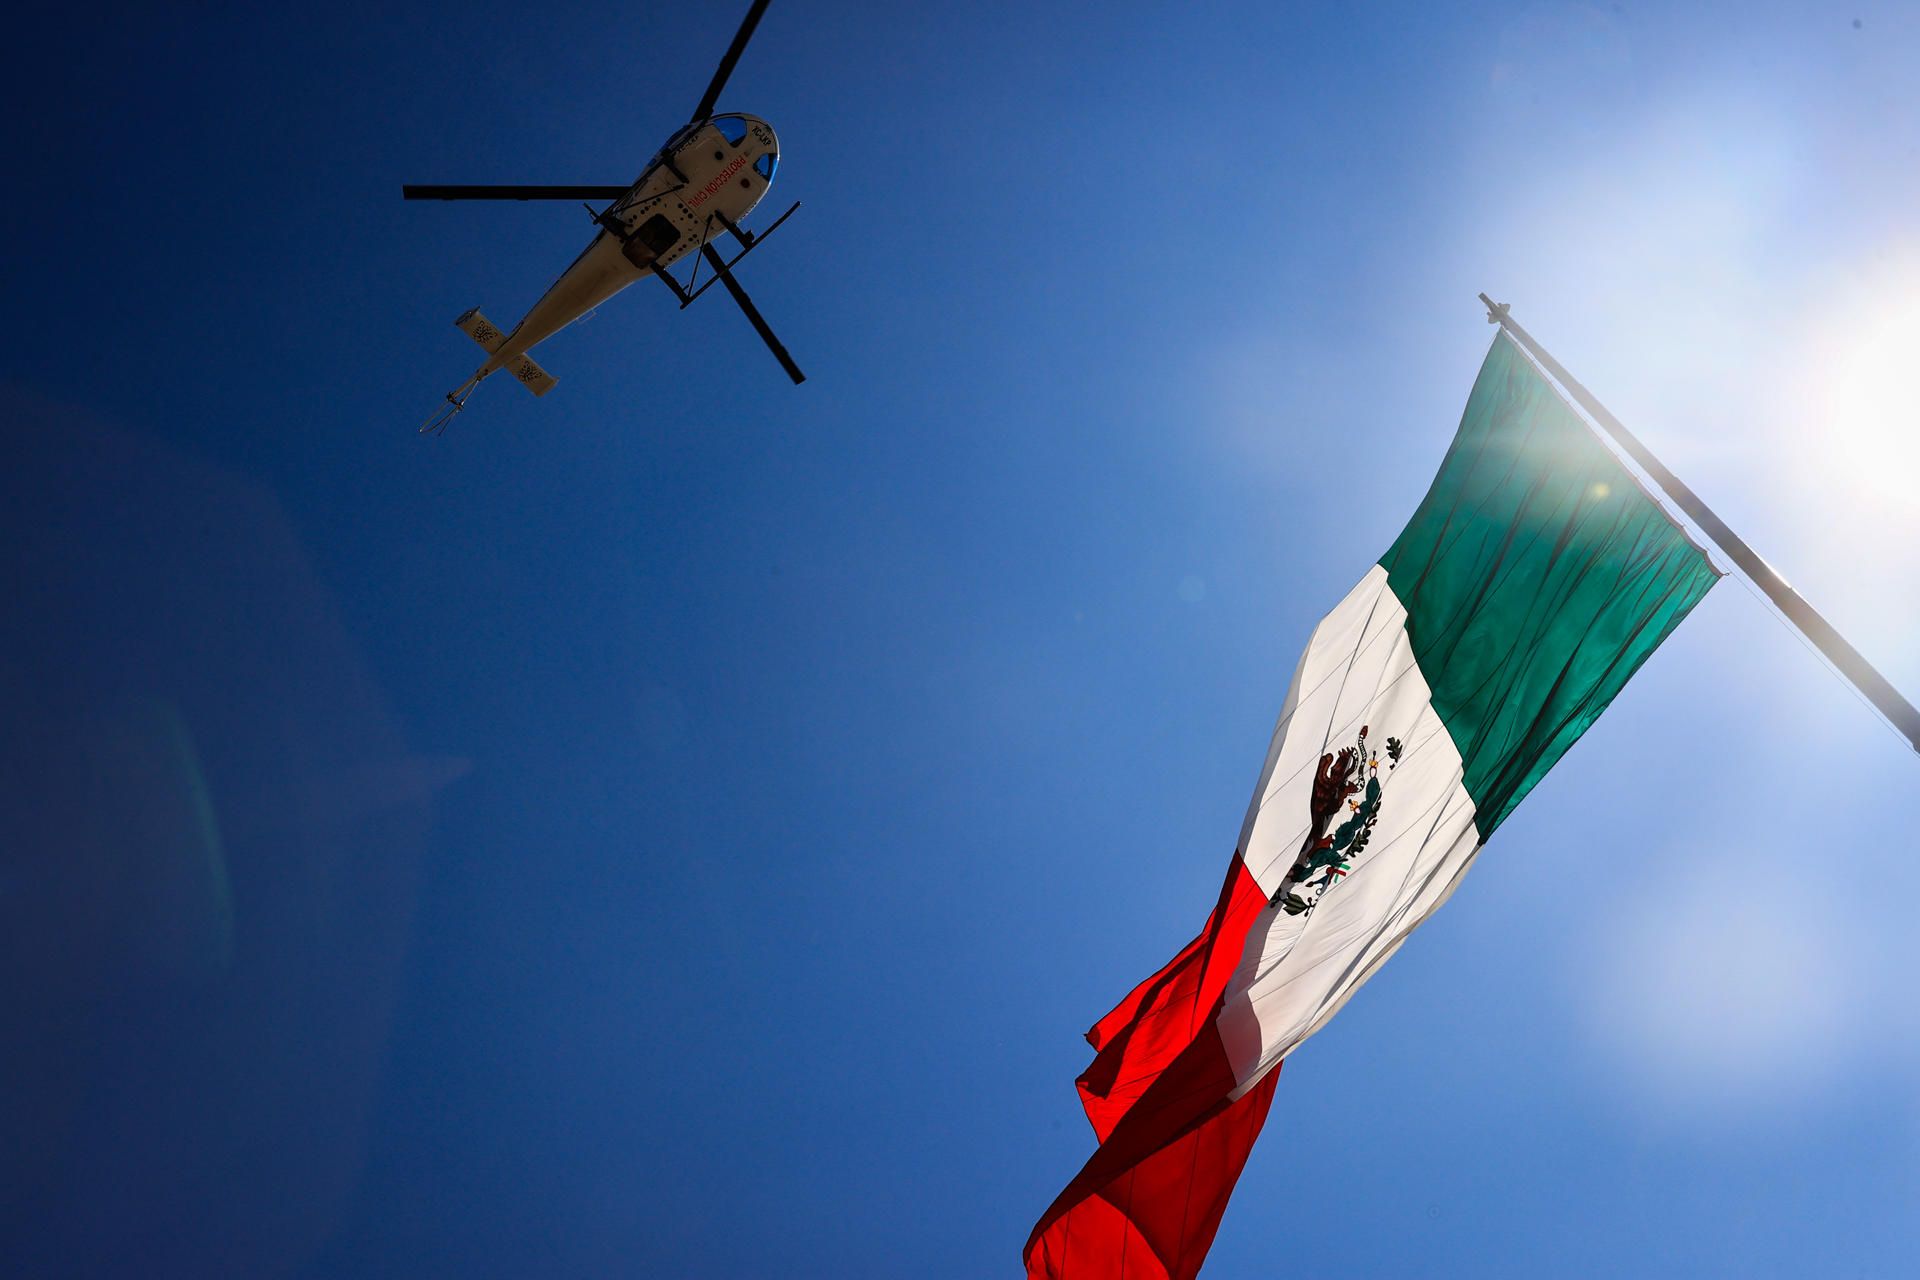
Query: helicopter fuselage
x=706 y=178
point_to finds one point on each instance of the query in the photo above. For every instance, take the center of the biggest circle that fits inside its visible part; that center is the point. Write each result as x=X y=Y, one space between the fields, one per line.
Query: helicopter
x=707 y=177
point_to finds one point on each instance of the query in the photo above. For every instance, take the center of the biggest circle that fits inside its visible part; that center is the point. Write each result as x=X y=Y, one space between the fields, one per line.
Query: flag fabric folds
x=1531 y=583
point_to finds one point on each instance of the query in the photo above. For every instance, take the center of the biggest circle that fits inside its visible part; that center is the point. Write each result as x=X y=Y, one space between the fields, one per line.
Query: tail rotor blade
x=760 y=326
x=732 y=56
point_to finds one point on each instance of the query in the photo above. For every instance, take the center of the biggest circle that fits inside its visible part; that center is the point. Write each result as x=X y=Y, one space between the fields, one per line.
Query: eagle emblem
x=1326 y=857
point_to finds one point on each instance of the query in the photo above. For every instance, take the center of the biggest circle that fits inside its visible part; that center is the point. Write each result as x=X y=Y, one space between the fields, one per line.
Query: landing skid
x=723 y=274
x=749 y=242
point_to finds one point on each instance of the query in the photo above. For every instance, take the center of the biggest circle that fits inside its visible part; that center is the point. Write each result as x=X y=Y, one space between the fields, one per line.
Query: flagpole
x=1857 y=670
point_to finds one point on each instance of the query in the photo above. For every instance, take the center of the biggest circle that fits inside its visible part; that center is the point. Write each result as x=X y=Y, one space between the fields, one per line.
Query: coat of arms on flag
x=1326 y=857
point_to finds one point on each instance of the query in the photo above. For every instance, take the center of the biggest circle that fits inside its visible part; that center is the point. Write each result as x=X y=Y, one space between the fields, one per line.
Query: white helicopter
x=706 y=178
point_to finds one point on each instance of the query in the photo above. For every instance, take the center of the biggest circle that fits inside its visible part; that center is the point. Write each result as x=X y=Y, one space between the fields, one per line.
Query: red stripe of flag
x=1148 y=1202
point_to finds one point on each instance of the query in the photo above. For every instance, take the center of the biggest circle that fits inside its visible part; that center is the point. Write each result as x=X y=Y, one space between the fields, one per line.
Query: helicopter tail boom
x=522 y=367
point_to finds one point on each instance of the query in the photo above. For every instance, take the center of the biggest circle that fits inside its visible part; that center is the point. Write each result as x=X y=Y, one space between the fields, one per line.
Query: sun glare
x=1873 y=401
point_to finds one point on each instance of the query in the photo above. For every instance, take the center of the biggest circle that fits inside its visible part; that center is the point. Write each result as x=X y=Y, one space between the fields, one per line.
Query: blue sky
x=682 y=825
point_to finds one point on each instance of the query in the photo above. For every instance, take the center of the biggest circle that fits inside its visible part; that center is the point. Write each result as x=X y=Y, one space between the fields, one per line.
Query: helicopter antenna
x=734 y=50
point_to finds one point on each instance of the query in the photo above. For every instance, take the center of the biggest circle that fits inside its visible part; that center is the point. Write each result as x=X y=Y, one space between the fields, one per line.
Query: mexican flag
x=1531 y=583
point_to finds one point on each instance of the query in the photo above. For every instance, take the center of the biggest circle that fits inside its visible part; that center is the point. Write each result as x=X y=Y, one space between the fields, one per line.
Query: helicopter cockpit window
x=732 y=128
x=765 y=165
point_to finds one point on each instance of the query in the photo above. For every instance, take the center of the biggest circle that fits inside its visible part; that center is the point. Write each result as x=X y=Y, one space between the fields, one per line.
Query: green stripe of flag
x=1537 y=577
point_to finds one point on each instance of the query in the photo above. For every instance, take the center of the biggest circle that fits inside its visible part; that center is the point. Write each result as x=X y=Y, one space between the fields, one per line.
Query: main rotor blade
x=753 y=314
x=512 y=193
x=740 y=38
